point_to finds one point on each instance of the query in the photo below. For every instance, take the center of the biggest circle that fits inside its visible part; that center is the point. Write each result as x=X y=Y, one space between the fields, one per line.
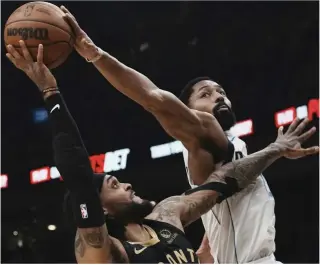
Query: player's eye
x=222 y=93
x=115 y=185
x=205 y=95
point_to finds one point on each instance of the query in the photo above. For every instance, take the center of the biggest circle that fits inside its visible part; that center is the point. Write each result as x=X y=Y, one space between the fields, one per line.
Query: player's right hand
x=83 y=44
x=37 y=71
x=290 y=142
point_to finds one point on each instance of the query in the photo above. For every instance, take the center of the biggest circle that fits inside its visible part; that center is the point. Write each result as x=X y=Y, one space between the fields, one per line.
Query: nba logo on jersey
x=84 y=212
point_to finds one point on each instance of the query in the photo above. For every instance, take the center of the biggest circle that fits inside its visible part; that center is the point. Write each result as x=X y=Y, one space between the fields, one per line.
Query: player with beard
x=152 y=234
x=241 y=229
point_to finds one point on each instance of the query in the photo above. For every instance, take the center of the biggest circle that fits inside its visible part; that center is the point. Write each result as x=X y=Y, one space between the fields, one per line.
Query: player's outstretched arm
x=234 y=176
x=93 y=245
x=175 y=117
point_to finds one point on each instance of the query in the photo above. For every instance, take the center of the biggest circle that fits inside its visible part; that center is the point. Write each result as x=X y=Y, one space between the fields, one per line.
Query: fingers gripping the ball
x=40 y=54
x=71 y=20
x=65 y=10
x=11 y=58
x=25 y=51
x=13 y=52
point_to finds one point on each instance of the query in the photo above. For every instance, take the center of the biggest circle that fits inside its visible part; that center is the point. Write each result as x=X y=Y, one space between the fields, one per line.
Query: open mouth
x=222 y=107
x=135 y=197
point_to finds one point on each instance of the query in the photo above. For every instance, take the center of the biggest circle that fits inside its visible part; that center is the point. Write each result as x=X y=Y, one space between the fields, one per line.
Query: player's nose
x=219 y=99
x=127 y=186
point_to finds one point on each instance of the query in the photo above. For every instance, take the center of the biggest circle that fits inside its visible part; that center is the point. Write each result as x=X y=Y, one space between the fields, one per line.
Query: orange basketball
x=40 y=23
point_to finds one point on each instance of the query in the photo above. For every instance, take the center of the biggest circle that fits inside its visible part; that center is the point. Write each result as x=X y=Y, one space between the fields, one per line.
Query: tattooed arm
x=180 y=211
x=93 y=245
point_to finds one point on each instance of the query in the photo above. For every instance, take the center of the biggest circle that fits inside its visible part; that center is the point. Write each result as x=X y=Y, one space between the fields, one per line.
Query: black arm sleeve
x=73 y=163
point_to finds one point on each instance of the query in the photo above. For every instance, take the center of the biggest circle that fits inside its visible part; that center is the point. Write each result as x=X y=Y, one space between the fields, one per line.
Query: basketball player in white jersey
x=241 y=229
x=196 y=124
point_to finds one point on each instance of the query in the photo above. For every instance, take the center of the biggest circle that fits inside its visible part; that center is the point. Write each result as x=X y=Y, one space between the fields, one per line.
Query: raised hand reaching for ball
x=83 y=44
x=40 y=23
x=37 y=71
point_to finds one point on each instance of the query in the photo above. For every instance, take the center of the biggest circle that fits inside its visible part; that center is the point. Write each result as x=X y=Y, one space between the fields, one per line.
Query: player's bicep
x=175 y=117
x=93 y=245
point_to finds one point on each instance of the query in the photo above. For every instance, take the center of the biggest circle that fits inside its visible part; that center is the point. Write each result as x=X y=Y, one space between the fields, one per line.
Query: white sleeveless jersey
x=241 y=229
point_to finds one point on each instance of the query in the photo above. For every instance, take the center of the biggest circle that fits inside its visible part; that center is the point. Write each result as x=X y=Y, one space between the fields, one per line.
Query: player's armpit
x=94 y=245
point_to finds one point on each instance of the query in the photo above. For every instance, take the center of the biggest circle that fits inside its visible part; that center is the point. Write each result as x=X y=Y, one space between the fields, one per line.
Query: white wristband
x=97 y=57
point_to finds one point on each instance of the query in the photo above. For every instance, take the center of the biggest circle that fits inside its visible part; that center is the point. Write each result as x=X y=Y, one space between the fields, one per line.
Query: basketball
x=40 y=23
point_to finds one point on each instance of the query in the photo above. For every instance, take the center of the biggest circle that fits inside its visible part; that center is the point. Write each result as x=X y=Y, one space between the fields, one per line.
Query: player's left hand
x=37 y=71
x=290 y=142
x=83 y=44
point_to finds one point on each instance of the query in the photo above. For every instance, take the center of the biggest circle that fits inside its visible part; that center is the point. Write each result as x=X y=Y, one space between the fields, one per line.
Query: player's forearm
x=127 y=80
x=226 y=181
x=240 y=173
x=70 y=155
x=72 y=161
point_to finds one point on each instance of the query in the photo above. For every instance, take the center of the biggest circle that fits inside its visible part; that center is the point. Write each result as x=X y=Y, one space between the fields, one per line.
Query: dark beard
x=134 y=212
x=226 y=118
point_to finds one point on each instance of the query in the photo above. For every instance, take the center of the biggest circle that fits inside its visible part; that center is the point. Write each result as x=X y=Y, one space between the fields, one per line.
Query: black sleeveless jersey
x=168 y=245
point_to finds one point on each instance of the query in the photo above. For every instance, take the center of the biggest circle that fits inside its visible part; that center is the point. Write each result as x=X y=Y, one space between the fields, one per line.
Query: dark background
x=265 y=55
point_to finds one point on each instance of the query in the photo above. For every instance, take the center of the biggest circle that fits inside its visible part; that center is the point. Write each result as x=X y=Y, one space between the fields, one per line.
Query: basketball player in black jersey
x=153 y=234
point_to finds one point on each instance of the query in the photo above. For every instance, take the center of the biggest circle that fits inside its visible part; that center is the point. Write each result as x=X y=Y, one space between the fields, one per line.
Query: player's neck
x=136 y=233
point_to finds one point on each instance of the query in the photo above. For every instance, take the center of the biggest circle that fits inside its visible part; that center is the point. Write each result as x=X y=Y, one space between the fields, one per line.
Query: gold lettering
x=180 y=256
x=170 y=259
x=191 y=251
